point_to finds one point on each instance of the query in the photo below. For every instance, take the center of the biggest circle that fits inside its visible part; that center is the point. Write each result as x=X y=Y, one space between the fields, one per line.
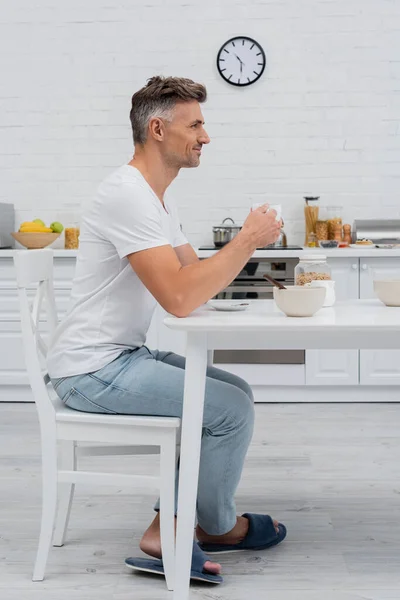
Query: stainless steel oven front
x=250 y=284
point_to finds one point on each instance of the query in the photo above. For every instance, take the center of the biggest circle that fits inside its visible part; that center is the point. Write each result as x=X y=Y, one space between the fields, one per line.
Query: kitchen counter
x=58 y=253
x=336 y=253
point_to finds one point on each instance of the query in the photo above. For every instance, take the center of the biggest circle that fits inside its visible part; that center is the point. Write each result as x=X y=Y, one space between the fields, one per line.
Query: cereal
x=71 y=238
x=304 y=278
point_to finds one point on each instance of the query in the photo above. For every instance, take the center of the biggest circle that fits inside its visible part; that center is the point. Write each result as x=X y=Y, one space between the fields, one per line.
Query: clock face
x=241 y=61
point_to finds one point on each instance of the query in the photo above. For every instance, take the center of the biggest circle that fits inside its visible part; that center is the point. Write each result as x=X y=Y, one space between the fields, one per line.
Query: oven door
x=247 y=289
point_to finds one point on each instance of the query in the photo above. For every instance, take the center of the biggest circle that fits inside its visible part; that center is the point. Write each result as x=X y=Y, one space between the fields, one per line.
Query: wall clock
x=241 y=61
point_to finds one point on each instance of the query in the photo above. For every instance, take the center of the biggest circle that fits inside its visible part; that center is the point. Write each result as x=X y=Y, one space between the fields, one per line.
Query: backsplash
x=323 y=119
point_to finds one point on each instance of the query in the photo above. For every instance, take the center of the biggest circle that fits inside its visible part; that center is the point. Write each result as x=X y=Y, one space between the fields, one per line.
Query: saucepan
x=223 y=234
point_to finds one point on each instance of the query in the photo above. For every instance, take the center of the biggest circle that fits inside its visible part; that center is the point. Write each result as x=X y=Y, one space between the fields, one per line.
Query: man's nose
x=204 y=138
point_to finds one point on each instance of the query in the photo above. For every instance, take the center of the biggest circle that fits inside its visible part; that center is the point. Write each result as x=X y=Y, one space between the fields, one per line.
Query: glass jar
x=311 y=267
x=334 y=217
x=322 y=230
x=311 y=211
x=312 y=240
x=71 y=236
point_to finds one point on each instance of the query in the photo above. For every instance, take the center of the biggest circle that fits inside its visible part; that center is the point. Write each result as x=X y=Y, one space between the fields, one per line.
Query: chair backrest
x=35 y=268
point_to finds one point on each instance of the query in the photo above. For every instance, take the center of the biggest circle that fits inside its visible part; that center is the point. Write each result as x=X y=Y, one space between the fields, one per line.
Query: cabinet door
x=378 y=367
x=337 y=367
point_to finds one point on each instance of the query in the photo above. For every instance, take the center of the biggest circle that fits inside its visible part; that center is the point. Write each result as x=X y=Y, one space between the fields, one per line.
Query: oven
x=250 y=284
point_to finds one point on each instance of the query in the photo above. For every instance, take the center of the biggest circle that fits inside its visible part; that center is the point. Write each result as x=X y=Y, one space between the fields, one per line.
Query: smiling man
x=132 y=255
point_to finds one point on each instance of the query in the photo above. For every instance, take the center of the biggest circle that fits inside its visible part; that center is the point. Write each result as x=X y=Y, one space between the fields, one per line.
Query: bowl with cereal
x=299 y=300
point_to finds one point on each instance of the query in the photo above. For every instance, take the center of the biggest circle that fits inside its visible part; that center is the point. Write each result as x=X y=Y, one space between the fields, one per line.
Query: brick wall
x=323 y=120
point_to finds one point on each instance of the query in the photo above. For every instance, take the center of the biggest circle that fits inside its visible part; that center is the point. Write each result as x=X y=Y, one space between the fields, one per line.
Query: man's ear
x=156 y=129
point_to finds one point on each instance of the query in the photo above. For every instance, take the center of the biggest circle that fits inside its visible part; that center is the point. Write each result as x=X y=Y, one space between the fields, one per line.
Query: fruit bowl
x=35 y=240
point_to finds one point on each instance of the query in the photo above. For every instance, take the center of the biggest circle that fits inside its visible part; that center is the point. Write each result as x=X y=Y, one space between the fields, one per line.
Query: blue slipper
x=261 y=535
x=155 y=565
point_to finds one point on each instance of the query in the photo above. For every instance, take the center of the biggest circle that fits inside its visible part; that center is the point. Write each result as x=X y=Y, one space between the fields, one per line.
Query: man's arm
x=186 y=254
x=180 y=289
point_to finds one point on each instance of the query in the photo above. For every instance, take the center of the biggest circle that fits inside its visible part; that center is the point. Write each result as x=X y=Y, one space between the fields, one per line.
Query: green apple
x=39 y=222
x=56 y=227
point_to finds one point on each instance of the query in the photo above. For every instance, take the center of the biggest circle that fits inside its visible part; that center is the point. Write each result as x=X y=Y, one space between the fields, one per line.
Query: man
x=132 y=255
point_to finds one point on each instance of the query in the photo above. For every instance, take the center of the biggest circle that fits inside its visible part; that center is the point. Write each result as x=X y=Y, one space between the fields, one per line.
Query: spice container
x=311 y=211
x=312 y=240
x=347 y=234
x=310 y=268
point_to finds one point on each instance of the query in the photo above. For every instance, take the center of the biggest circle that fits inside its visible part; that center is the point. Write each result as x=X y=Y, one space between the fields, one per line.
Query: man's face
x=184 y=136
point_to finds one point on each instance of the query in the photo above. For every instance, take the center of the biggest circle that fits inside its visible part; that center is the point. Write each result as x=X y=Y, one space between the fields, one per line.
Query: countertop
x=353 y=316
x=337 y=253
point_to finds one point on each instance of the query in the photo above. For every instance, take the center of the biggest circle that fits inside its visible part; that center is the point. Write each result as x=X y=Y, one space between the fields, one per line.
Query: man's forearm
x=199 y=282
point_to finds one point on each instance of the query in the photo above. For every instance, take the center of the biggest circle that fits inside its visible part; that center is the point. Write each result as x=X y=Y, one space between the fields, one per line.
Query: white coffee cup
x=276 y=207
x=329 y=285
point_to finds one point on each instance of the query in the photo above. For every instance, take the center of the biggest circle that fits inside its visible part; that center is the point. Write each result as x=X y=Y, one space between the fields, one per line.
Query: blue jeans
x=150 y=382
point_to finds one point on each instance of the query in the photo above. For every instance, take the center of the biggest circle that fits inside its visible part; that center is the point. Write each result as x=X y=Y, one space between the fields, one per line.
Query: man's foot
x=234 y=536
x=151 y=545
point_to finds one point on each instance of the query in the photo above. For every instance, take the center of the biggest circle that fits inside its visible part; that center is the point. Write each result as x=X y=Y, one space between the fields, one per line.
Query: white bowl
x=300 y=301
x=388 y=291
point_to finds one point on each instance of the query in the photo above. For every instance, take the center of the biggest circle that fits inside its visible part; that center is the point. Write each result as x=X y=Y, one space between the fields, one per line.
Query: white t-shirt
x=111 y=309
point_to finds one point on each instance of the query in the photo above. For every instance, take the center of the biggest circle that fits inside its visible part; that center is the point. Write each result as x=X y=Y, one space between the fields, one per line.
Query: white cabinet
x=337 y=367
x=378 y=367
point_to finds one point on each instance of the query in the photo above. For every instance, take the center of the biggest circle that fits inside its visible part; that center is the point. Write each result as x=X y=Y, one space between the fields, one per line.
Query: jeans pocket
x=77 y=401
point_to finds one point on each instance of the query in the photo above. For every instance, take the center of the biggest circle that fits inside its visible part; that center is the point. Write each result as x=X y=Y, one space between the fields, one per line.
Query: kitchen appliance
x=251 y=284
x=7 y=225
x=379 y=231
x=222 y=234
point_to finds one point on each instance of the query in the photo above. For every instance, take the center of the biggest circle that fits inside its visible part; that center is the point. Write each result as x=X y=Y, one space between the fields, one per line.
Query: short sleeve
x=131 y=221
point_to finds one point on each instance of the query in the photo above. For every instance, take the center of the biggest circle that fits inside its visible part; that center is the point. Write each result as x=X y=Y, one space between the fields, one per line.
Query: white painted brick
x=324 y=119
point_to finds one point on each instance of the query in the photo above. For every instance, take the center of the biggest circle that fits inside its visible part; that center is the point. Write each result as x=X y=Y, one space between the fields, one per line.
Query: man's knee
x=242 y=407
x=247 y=389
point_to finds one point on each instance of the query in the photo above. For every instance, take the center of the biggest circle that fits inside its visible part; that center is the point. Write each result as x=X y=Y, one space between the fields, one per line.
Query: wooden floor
x=330 y=472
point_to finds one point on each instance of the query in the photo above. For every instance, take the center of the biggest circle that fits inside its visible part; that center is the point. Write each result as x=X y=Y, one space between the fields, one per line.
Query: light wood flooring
x=330 y=472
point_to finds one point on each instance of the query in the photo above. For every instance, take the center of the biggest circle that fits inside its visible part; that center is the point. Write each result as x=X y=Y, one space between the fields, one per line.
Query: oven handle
x=258 y=289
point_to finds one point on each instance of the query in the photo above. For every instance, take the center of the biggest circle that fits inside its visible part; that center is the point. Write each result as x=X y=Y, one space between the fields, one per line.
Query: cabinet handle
x=354 y=266
x=364 y=267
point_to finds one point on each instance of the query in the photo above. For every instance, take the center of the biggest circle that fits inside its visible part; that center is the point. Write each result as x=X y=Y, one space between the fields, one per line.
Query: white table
x=364 y=324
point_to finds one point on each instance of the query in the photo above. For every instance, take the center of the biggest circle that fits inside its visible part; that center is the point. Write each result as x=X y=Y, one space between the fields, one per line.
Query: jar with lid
x=311 y=267
x=334 y=217
x=311 y=211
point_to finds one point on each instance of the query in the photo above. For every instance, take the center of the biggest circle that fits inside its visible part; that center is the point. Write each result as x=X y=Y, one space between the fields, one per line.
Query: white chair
x=65 y=428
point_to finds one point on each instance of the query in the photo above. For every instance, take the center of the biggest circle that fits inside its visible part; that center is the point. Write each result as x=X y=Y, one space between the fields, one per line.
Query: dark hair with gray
x=158 y=99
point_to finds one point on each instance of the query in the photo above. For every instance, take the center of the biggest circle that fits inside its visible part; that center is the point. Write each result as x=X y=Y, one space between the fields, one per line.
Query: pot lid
x=229 y=225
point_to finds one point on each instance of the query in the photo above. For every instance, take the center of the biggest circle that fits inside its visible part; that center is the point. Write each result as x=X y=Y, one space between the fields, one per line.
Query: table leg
x=192 y=418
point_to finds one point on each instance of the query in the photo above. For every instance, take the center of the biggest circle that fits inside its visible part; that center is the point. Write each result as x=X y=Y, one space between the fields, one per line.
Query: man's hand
x=261 y=227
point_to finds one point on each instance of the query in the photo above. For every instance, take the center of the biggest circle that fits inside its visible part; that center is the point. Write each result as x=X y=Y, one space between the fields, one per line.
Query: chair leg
x=167 y=508
x=65 y=492
x=49 y=503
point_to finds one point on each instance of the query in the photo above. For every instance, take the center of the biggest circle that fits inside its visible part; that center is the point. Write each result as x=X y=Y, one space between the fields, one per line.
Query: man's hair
x=158 y=99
